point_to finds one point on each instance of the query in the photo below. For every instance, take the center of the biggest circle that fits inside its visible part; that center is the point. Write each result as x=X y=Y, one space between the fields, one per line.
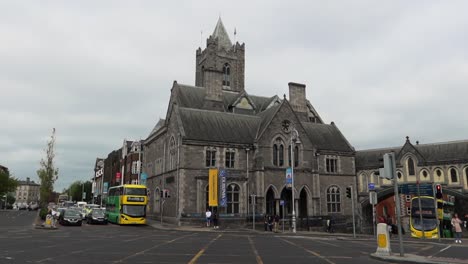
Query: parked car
x=70 y=217
x=97 y=216
x=33 y=206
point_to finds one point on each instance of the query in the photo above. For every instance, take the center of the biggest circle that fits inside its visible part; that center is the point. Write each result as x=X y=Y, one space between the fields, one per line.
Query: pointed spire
x=220 y=33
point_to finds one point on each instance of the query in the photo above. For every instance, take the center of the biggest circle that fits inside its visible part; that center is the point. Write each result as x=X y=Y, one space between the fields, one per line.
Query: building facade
x=27 y=192
x=441 y=163
x=253 y=139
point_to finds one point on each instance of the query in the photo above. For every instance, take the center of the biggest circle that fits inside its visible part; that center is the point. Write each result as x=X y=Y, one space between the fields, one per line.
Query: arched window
x=278 y=152
x=232 y=193
x=453 y=175
x=226 y=75
x=296 y=156
x=333 y=199
x=411 y=167
x=281 y=155
x=275 y=155
x=172 y=154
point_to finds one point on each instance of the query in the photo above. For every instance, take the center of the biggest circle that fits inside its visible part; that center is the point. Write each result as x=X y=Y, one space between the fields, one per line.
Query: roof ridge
x=441 y=143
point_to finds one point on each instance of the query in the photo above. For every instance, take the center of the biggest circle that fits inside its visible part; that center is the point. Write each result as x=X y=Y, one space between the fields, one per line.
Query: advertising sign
x=105 y=187
x=289 y=178
x=223 y=196
x=213 y=187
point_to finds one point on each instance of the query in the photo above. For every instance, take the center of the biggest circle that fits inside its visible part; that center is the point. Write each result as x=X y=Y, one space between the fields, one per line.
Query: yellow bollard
x=383 y=240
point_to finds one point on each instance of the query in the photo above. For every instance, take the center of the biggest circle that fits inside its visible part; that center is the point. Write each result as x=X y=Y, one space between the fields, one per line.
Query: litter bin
x=447 y=233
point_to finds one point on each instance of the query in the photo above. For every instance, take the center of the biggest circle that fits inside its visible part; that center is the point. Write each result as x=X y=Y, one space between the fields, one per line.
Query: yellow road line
x=309 y=251
x=257 y=256
x=200 y=253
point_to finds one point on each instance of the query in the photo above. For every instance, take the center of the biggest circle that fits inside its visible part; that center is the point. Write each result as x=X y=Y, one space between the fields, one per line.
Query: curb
x=410 y=258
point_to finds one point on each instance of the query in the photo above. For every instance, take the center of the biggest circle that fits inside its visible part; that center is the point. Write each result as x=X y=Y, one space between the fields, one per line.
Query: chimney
x=297 y=97
x=213 y=90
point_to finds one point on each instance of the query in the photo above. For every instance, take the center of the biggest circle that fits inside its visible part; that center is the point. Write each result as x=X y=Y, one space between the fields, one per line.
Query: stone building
x=442 y=163
x=27 y=192
x=218 y=124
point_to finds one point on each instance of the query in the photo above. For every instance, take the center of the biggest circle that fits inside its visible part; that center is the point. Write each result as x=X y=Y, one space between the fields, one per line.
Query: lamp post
x=294 y=139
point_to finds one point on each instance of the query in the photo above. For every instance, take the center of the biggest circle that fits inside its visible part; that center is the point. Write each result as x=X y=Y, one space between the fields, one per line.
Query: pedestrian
x=265 y=222
x=330 y=223
x=276 y=222
x=456 y=225
x=389 y=227
x=464 y=222
x=215 y=220
x=208 y=217
x=270 y=223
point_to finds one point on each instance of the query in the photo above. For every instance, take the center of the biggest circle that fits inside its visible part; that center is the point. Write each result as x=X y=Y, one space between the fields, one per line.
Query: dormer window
x=226 y=75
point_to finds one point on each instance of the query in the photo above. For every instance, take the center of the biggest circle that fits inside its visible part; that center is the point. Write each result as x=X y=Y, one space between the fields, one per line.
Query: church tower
x=221 y=62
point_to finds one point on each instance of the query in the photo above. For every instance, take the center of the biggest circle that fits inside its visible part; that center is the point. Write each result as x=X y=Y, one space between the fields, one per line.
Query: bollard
x=48 y=221
x=383 y=240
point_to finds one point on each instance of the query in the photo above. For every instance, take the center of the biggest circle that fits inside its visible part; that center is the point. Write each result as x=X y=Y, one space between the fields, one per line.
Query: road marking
x=200 y=253
x=442 y=250
x=257 y=256
x=309 y=251
x=153 y=247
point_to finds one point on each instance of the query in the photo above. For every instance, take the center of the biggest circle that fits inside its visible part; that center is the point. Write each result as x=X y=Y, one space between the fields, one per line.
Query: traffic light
x=386 y=166
x=438 y=188
x=348 y=192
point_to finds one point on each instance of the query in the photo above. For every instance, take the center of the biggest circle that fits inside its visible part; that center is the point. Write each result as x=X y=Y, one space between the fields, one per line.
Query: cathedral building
x=253 y=139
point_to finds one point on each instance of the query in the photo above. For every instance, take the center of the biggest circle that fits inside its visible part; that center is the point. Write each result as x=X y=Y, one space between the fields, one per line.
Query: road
x=20 y=243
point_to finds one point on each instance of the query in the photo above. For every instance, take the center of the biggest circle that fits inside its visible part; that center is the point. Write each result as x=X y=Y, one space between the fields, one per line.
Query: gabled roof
x=434 y=153
x=220 y=33
x=212 y=126
x=368 y=159
x=157 y=127
x=446 y=151
x=326 y=137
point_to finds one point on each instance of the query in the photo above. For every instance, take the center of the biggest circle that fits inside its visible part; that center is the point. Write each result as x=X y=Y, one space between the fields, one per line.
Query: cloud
x=102 y=71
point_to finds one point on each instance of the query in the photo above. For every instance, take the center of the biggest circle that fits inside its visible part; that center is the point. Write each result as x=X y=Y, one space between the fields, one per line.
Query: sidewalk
x=394 y=257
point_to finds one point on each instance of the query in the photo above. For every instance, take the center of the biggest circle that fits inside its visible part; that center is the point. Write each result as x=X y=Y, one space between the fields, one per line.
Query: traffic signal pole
x=434 y=186
x=352 y=207
x=397 y=200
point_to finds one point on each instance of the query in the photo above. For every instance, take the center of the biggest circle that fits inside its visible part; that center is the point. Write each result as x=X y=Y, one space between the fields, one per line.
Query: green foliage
x=7 y=183
x=48 y=173
x=11 y=199
x=43 y=213
x=76 y=189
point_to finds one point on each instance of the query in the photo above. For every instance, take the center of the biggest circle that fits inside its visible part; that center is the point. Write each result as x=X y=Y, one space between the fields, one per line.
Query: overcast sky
x=101 y=71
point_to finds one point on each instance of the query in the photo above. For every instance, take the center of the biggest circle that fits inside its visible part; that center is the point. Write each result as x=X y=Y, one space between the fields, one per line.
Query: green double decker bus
x=126 y=204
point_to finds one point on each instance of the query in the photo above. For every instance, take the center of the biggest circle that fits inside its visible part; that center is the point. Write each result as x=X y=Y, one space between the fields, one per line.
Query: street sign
x=425 y=189
x=373 y=198
x=371 y=186
x=223 y=195
x=281 y=202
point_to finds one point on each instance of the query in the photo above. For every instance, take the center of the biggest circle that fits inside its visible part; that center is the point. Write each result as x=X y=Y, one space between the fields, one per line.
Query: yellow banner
x=213 y=187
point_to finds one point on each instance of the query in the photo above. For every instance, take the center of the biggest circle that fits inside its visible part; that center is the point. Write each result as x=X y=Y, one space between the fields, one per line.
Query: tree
x=7 y=183
x=76 y=190
x=10 y=199
x=48 y=173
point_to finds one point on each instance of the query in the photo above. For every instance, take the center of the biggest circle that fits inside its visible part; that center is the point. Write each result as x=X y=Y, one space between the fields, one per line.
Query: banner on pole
x=223 y=196
x=213 y=187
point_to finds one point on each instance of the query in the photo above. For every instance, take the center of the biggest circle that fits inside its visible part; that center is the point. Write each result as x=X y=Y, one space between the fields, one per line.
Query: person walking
x=215 y=220
x=276 y=223
x=208 y=217
x=456 y=224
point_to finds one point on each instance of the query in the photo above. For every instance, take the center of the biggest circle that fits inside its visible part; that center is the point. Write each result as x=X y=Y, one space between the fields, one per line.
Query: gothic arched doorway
x=270 y=202
x=286 y=196
x=303 y=204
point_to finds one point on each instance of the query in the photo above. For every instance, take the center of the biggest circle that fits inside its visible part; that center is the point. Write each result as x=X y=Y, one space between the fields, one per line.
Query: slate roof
x=189 y=96
x=326 y=137
x=367 y=159
x=213 y=126
x=432 y=153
